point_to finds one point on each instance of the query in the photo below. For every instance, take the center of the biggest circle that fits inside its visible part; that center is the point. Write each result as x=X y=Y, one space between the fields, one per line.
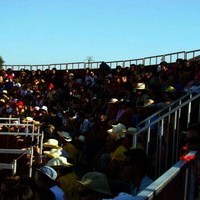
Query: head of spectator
x=135 y=170
x=93 y=186
x=46 y=180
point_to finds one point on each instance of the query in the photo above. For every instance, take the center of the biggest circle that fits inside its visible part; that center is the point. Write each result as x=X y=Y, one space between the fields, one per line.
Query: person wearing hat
x=46 y=180
x=116 y=149
x=93 y=186
x=141 y=94
x=66 y=176
x=68 y=146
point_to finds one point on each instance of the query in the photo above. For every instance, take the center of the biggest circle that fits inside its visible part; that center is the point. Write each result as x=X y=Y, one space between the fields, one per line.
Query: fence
x=161 y=133
x=151 y=60
x=179 y=182
x=27 y=132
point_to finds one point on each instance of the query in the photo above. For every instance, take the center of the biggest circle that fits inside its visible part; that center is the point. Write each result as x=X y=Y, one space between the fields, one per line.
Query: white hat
x=29 y=119
x=52 y=143
x=18 y=85
x=113 y=100
x=117 y=131
x=59 y=162
x=140 y=86
x=44 y=108
x=5 y=92
x=65 y=135
x=53 y=153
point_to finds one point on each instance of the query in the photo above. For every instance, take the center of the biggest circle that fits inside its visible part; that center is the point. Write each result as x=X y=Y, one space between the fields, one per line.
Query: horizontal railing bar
x=160 y=183
x=163 y=109
x=167 y=114
x=91 y=63
x=22 y=133
x=15 y=151
x=6 y=166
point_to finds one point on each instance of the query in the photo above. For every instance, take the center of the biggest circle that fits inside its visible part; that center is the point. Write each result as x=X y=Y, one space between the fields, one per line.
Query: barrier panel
x=150 y=60
x=18 y=142
x=161 y=134
x=179 y=182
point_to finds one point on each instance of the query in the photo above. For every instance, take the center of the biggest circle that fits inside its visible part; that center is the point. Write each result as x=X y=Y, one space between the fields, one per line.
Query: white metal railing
x=31 y=130
x=151 y=60
x=178 y=182
x=163 y=110
x=162 y=135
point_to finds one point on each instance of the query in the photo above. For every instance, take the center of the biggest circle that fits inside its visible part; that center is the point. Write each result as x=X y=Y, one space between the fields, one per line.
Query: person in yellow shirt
x=67 y=178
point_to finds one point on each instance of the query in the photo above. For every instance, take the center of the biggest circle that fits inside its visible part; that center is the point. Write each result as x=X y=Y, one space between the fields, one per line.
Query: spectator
x=45 y=178
x=93 y=186
x=135 y=170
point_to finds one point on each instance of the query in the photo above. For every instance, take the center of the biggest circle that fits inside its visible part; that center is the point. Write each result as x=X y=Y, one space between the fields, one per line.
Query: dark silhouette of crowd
x=87 y=117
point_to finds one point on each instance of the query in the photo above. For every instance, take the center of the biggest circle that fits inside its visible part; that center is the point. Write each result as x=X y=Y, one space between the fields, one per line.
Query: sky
x=64 y=31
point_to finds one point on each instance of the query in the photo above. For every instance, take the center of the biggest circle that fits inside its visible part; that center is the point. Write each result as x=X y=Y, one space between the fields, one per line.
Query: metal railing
x=178 y=182
x=30 y=130
x=151 y=60
x=167 y=108
x=161 y=136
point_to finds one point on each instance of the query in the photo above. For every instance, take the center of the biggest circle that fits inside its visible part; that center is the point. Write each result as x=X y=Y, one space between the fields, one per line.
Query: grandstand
x=160 y=129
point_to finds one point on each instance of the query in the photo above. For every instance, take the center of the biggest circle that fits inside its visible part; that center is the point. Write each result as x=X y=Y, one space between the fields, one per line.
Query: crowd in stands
x=88 y=117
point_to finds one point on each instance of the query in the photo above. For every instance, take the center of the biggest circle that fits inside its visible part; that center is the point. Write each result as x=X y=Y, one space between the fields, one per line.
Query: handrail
x=166 y=114
x=163 y=110
x=29 y=131
x=94 y=65
x=165 y=132
x=159 y=185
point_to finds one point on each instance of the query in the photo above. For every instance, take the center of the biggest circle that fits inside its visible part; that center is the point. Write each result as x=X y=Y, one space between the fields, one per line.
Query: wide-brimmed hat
x=117 y=131
x=49 y=172
x=52 y=143
x=148 y=102
x=44 y=108
x=2 y=101
x=65 y=135
x=28 y=120
x=53 y=153
x=96 y=181
x=59 y=162
x=113 y=100
x=140 y=86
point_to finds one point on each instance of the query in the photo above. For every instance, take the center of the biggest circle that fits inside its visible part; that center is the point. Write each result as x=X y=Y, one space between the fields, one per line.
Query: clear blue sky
x=49 y=31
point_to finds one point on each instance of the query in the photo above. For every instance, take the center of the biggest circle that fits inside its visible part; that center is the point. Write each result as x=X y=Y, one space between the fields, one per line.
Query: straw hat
x=59 y=162
x=53 y=153
x=52 y=143
x=140 y=86
x=148 y=102
x=65 y=135
x=117 y=131
x=96 y=181
x=113 y=100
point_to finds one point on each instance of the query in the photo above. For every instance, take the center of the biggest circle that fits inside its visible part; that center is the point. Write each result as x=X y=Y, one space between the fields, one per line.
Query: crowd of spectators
x=87 y=117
